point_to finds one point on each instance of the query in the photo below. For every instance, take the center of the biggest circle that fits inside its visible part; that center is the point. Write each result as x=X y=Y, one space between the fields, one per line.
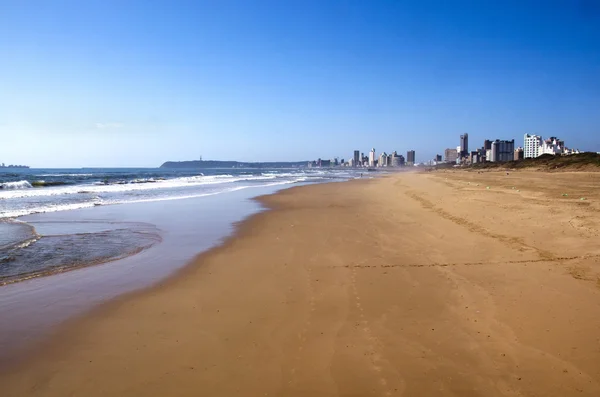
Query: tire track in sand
x=561 y=260
x=513 y=242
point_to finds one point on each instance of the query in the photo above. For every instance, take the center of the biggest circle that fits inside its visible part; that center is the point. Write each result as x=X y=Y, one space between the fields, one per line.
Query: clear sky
x=126 y=83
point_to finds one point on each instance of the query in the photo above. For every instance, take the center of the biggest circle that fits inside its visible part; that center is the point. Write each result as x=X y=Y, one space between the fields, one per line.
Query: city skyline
x=493 y=150
x=533 y=146
x=371 y=160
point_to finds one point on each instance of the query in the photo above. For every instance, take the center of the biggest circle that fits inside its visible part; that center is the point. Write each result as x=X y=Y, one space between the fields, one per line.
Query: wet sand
x=31 y=309
x=409 y=285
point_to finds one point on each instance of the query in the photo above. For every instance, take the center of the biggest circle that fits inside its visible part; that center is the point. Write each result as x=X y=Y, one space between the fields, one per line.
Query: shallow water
x=31 y=308
x=61 y=246
x=32 y=249
x=163 y=233
x=14 y=234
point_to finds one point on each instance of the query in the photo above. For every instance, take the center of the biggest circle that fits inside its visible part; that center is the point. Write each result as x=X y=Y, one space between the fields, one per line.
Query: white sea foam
x=15 y=185
x=96 y=201
x=61 y=175
x=48 y=208
x=278 y=175
x=13 y=193
x=188 y=196
x=27 y=243
x=19 y=202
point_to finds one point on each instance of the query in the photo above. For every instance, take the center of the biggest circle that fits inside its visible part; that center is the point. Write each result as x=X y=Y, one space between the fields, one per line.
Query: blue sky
x=124 y=83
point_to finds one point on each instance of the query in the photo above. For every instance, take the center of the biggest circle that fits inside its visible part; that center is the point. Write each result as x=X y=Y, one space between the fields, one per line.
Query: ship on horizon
x=13 y=166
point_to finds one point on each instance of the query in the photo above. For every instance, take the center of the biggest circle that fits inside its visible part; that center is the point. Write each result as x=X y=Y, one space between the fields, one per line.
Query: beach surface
x=432 y=284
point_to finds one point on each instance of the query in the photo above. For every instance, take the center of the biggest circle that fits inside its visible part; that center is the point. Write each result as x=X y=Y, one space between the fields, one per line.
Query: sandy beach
x=430 y=284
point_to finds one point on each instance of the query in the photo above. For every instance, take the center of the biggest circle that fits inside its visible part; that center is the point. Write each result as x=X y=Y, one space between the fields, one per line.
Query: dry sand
x=410 y=285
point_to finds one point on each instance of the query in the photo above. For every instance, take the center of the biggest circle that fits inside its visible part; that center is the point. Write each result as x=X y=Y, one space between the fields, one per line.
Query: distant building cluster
x=504 y=150
x=497 y=150
x=372 y=160
x=535 y=146
x=13 y=166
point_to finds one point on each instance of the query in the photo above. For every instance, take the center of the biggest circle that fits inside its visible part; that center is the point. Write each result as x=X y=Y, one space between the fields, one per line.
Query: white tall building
x=552 y=145
x=535 y=146
x=372 y=158
x=532 y=146
x=383 y=160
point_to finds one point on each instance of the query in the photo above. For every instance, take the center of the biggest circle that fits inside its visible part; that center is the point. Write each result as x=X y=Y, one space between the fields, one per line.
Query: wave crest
x=16 y=185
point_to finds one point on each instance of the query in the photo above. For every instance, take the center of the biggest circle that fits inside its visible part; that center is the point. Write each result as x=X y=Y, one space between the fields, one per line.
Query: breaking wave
x=107 y=187
x=15 y=185
x=22 y=189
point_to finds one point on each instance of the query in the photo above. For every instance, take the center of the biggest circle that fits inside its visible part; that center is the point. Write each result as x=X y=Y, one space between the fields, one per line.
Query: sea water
x=30 y=191
x=184 y=228
x=31 y=247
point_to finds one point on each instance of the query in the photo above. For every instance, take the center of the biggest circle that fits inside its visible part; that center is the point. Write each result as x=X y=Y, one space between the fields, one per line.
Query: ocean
x=31 y=191
x=34 y=245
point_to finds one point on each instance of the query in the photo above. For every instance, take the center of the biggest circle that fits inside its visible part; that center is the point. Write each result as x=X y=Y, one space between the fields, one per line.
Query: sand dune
x=409 y=285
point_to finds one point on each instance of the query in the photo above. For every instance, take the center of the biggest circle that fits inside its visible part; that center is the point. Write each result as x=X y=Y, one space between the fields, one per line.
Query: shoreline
x=75 y=292
x=28 y=222
x=264 y=302
x=239 y=229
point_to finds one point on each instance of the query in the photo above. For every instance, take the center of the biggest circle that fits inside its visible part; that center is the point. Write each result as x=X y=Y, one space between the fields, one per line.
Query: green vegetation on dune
x=548 y=162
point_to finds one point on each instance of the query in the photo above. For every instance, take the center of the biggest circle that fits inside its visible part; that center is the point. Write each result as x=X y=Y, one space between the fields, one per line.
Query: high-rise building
x=535 y=146
x=356 y=157
x=487 y=144
x=410 y=157
x=474 y=157
x=481 y=154
x=464 y=146
x=532 y=145
x=372 y=158
x=450 y=155
x=383 y=160
x=502 y=151
x=397 y=160
x=493 y=156
x=518 y=154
